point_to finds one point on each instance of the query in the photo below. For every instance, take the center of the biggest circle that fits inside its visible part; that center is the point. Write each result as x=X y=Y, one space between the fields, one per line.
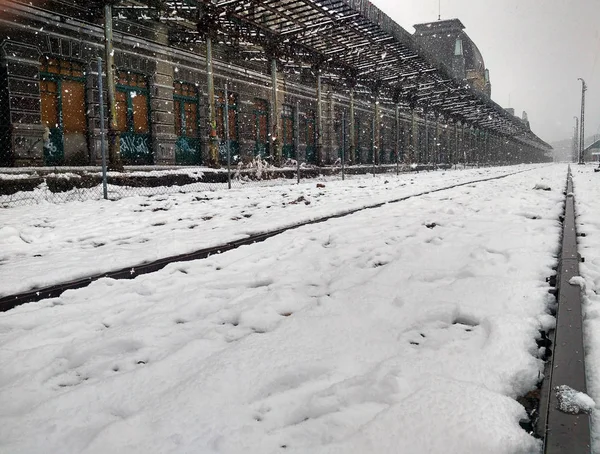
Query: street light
x=582 y=123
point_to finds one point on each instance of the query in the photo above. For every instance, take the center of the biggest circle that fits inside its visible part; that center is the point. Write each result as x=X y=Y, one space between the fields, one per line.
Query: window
x=261 y=127
x=185 y=101
x=62 y=92
x=261 y=120
x=287 y=118
x=63 y=110
x=232 y=106
x=132 y=103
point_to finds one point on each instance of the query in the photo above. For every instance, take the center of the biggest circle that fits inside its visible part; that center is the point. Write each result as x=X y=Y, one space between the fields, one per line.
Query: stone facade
x=31 y=34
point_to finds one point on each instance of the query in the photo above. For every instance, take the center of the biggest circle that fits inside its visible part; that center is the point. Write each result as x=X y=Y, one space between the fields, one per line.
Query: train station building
x=312 y=80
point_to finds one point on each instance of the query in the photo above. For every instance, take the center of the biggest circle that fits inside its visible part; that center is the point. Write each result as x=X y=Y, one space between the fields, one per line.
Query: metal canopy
x=350 y=42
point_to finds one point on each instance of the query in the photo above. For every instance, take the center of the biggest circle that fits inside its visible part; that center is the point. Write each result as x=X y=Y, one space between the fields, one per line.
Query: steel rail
x=130 y=272
x=563 y=432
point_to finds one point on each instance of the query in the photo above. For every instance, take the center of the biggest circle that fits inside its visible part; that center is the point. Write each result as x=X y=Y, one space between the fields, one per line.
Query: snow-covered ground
x=405 y=329
x=45 y=244
x=586 y=186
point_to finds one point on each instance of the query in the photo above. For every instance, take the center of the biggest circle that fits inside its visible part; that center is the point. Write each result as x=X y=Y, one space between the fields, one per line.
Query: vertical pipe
x=114 y=157
x=426 y=153
x=352 y=125
x=376 y=132
x=102 y=141
x=397 y=142
x=319 y=118
x=227 y=145
x=456 y=145
x=486 y=147
x=343 y=143
x=373 y=144
x=275 y=117
x=213 y=151
x=477 y=147
x=413 y=136
x=436 y=150
x=297 y=139
x=463 y=149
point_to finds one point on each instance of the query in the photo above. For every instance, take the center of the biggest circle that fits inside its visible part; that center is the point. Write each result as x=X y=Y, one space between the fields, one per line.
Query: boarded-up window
x=261 y=111
x=121 y=108
x=287 y=117
x=132 y=103
x=73 y=99
x=309 y=119
x=62 y=93
x=186 y=109
x=49 y=95
x=140 y=112
x=232 y=106
x=191 y=119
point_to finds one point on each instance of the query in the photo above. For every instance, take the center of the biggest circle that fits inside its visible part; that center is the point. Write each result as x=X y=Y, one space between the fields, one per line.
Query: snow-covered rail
x=564 y=425
x=10 y=301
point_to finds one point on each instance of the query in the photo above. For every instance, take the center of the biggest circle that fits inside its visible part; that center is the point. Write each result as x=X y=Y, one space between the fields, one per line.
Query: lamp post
x=582 y=122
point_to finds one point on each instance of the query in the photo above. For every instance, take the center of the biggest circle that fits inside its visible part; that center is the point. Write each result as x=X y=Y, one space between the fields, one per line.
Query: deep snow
x=45 y=244
x=405 y=329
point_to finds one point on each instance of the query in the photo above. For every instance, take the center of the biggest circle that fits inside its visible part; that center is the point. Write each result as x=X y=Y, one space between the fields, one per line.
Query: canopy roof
x=351 y=42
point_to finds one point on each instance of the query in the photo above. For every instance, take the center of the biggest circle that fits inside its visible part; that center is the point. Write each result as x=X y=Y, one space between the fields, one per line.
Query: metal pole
x=456 y=145
x=436 y=150
x=343 y=142
x=475 y=146
x=275 y=120
x=102 y=141
x=213 y=151
x=463 y=149
x=297 y=139
x=114 y=155
x=582 y=122
x=353 y=159
x=319 y=118
x=376 y=132
x=397 y=145
x=485 y=147
x=227 y=146
x=426 y=157
x=373 y=144
x=413 y=136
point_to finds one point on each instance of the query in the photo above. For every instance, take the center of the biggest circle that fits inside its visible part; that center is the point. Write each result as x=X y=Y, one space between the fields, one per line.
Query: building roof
x=348 y=41
x=439 y=38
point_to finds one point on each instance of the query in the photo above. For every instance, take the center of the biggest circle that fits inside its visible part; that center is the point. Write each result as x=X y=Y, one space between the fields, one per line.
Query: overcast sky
x=535 y=51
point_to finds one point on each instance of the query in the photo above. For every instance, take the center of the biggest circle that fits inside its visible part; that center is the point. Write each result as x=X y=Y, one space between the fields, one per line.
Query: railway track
x=130 y=272
x=564 y=432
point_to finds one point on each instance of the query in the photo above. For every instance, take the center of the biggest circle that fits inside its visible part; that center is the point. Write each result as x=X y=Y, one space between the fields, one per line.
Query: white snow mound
x=542 y=187
x=578 y=280
x=572 y=401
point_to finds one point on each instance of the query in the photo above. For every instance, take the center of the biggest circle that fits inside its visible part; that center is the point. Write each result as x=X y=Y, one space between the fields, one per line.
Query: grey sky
x=535 y=51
